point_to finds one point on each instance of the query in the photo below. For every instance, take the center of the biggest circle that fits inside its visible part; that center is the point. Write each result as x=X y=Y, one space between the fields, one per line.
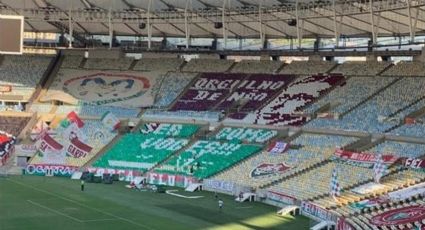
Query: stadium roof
x=242 y=18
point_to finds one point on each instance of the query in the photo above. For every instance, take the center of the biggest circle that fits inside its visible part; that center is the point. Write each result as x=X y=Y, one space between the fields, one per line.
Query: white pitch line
x=98 y=220
x=243 y=207
x=55 y=211
x=83 y=205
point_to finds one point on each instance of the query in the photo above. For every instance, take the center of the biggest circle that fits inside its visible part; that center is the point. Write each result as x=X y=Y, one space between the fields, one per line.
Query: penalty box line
x=83 y=205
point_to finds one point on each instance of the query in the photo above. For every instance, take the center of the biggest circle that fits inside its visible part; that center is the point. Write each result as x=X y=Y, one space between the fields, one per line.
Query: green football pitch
x=40 y=203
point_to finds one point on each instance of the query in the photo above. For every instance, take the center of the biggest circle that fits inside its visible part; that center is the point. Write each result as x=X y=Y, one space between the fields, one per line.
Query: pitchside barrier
x=225 y=187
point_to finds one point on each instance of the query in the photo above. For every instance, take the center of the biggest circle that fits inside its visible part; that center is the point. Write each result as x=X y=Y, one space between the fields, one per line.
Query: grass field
x=40 y=203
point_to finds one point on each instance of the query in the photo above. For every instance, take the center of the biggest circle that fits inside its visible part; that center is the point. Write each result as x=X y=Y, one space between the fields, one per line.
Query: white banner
x=219 y=185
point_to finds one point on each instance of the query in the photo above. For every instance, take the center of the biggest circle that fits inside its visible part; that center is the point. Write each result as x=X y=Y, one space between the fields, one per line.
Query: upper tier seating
x=98 y=111
x=206 y=158
x=406 y=69
x=207 y=91
x=12 y=124
x=400 y=149
x=361 y=68
x=346 y=96
x=94 y=133
x=23 y=73
x=108 y=63
x=317 y=182
x=172 y=86
x=140 y=151
x=252 y=92
x=110 y=88
x=299 y=93
x=208 y=65
x=252 y=66
x=307 y=67
x=245 y=134
x=312 y=148
x=365 y=118
x=72 y=62
x=155 y=64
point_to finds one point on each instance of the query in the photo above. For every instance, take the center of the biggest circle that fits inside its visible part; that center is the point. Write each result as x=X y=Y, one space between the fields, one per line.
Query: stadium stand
x=142 y=151
x=373 y=114
x=413 y=69
x=308 y=150
x=307 y=67
x=94 y=133
x=72 y=61
x=297 y=95
x=207 y=65
x=361 y=68
x=252 y=66
x=22 y=74
x=155 y=64
x=400 y=149
x=108 y=64
x=171 y=87
x=314 y=183
x=206 y=158
x=346 y=96
x=13 y=124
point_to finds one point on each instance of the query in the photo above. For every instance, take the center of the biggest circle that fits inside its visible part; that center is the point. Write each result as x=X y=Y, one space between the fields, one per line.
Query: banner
x=110 y=121
x=49 y=145
x=365 y=158
x=170 y=180
x=56 y=170
x=6 y=143
x=414 y=163
x=124 y=175
x=225 y=186
x=281 y=198
x=78 y=149
x=277 y=147
x=265 y=169
x=26 y=148
x=399 y=216
x=311 y=210
x=368 y=203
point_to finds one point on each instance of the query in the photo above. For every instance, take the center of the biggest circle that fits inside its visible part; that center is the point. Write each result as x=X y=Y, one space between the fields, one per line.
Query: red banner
x=414 y=163
x=78 y=149
x=368 y=158
x=48 y=144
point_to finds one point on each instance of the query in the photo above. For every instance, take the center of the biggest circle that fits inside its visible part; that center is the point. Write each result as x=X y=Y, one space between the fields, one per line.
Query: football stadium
x=212 y=114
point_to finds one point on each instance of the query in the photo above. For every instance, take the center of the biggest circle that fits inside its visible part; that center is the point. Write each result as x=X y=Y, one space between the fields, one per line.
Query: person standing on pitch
x=82 y=185
x=220 y=204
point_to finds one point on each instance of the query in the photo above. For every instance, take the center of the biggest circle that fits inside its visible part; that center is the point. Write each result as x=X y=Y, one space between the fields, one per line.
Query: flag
x=49 y=145
x=277 y=147
x=39 y=130
x=110 y=121
x=379 y=168
x=149 y=128
x=335 y=188
x=72 y=117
